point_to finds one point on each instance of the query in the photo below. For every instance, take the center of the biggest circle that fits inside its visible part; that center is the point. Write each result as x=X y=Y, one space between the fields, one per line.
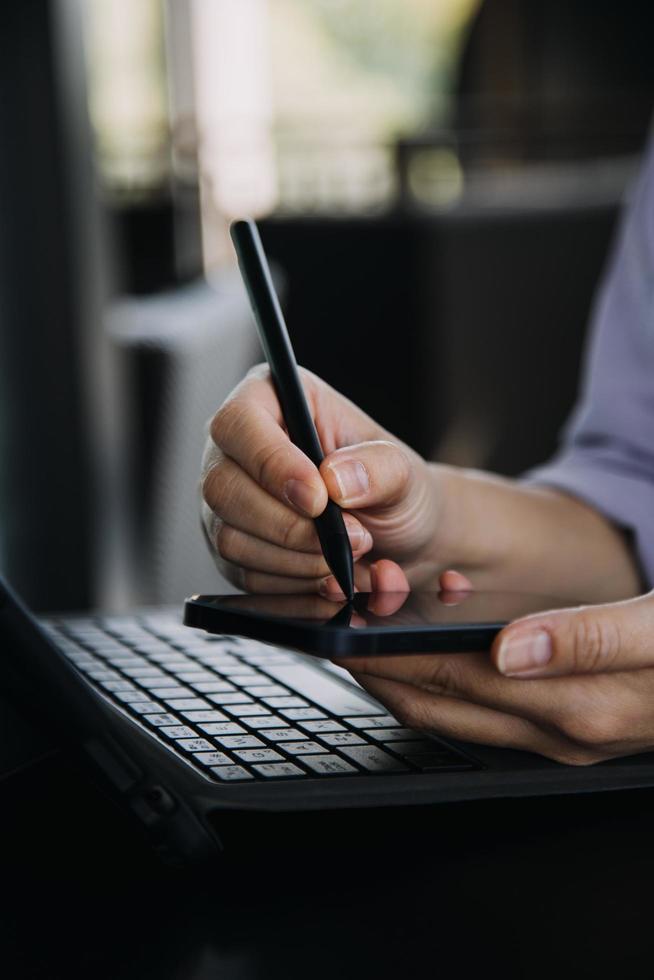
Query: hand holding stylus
x=261 y=492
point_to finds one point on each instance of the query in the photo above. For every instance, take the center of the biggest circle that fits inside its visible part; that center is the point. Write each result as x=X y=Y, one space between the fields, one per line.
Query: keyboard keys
x=124 y=662
x=217 y=661
x=177 y=731
x=159 y=684
x=279 y=770
x=222 y=728
x=239 y=671
x=98 y=674
x=261 y=680
x=165 y=657
x=212 y=759
x=186 y=704
x=372 y=758
x=131 y=696
x=144 y=707
x=327 y=765
x=194 y=744
x=192 y=677
x=212 y=687
x=381 y=721
x=342 y=738
x=302 y=748
x=210 y=715
x=116 y=686
x=283 y=734
x=295 y=714
x=395 y=735
x=268 y=690
x=285 y=702
x=261 y=723
x=246 y=710
x=143 y=672
x=161 y=719
x=240 y=742
x=323 y=690
x=229 y=697
x=171 y=692
x=258 y=755
x=231 y=773
x=326 y=725
x=220 y=698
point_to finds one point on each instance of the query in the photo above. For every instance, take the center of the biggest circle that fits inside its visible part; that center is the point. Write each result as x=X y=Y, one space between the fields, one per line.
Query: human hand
x=590 y=701
x=260 y=492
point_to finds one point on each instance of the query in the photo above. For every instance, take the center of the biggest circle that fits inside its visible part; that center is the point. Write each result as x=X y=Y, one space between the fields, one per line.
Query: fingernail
x=359 y=537
x=301 y=495
x=524 y=652
x=323 y=587
x=352 y=479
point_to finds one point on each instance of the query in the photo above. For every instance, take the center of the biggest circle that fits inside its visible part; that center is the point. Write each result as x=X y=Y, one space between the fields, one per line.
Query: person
x=575 y=684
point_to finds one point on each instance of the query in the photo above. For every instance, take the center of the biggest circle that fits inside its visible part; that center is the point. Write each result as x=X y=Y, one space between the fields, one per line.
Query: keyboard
x=239 y=710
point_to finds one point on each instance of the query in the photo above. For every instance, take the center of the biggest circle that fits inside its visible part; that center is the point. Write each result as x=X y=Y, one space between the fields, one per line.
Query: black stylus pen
x=279 y=353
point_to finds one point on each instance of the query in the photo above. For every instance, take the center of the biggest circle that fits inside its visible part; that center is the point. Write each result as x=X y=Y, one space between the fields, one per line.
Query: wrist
x=509 y=535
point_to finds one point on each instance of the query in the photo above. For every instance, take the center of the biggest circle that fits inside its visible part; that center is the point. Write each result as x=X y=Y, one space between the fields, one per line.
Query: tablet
x=372 y=624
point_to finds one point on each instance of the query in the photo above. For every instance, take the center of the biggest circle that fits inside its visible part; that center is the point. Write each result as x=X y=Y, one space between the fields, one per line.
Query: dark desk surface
x=531 y=888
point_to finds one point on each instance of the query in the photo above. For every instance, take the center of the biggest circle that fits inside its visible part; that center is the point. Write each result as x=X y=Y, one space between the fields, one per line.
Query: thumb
x=387 y=485
x=590 y=639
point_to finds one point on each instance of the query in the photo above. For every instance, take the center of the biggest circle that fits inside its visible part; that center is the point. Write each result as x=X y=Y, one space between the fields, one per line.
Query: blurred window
x=289 y=105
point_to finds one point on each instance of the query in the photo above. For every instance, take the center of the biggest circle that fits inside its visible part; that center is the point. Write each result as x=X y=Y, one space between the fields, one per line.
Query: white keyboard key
x=239 y=742
x=321 y=726
x=258 y=755
x=231 y=773
x=212 y=758
x=171 y=691
x=162 y=719
x=211 y=687
x=341 y=738
x=194 y=744
x=283 y=735
x=222 y=728
x=288 y=701
x=295 y=714
x=323 y=690
x=278 y=770
x=210 y=715
x=267 y=690
x=229 y=697
x=261 y=723
x=186 y=704
x=130 y=697
x=178 y=731
x=380 y=721
x=246 y=710
x=145 y=707
x=327 y=765
x=303 y=748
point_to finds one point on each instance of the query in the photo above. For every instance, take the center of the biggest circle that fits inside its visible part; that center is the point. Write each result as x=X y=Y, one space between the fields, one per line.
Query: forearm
x=510 y=536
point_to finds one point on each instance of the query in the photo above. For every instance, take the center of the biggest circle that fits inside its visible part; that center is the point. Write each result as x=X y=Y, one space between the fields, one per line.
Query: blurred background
x=437 y=184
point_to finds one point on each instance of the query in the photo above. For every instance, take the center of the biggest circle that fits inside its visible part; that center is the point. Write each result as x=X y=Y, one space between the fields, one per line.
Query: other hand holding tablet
x=589 y=701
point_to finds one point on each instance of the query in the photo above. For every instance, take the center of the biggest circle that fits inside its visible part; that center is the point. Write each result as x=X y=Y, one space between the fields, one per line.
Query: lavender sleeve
x=607 y=453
